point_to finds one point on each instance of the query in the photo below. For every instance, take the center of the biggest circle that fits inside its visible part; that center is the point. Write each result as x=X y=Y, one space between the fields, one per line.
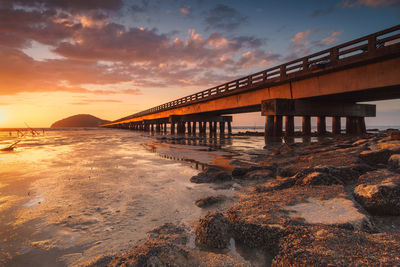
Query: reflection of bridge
x=327 y=83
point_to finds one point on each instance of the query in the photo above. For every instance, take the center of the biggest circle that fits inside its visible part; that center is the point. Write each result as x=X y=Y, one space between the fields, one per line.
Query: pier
x=329 y=83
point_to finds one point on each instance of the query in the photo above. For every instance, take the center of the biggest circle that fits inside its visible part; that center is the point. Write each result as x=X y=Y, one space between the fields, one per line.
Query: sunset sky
x=112 y=58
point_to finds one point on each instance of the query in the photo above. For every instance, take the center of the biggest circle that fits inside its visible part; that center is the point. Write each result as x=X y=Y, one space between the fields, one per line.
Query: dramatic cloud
x=223 y=17
x=93 y=50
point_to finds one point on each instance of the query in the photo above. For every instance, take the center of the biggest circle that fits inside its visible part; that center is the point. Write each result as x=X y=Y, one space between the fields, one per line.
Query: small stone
x=208 y=201
x=394 y=162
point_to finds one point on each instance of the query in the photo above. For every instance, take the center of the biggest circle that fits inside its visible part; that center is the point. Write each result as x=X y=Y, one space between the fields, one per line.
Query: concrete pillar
x=158 y=127
x=229 y=127
x=269 y=126
x=361 y=129
x=194 y=128
x=278 y=125
x=222 y=127
x=189 y=127
x=152 y=127
x=306 y=125
x=336 y=125
x=351 y=125
x=215 y=127
x=172 y=127
x=289 y=125
x=321 y=125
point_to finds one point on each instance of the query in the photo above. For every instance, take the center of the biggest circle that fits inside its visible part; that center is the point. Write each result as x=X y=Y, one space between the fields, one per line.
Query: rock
x=318 y=178
x=395 y=135
x=213 y=230
x=331 y=246
x=276 y=184
x=382 y=198
x=208 y=201
x=327 y=175
x=259 y=174
x=201 y=178
x=211 y=175
x=375 y=157
x=394 y=162
x=151 y=253
x=239 y=171
x=392 y=146
x=169 y=232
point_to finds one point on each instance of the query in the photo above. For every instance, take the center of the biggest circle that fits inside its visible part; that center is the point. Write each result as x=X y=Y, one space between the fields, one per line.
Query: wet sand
x=70 y=196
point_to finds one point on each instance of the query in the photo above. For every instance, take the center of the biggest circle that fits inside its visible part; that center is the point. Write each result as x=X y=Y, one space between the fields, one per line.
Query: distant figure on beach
x=10 y=133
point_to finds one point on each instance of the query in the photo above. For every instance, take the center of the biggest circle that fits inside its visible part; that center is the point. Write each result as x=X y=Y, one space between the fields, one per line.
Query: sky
x=113 y=58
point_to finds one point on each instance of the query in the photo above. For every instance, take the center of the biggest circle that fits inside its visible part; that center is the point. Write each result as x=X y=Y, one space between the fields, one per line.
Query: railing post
x=334 y=55
x=371 y=44
x=283 y=72
x=305 y=64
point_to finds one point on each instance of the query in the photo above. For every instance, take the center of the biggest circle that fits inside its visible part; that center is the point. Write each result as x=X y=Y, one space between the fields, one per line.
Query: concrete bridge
x=325 y=84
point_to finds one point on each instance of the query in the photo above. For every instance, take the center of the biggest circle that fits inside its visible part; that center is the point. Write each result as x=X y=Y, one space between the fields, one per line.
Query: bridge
x=328 y=83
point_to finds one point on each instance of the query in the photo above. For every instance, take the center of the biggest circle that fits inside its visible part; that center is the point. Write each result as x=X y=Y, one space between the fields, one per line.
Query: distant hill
x=80 y=120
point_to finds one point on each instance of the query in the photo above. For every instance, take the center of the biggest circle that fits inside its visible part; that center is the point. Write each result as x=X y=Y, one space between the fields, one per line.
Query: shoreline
x=300 y=204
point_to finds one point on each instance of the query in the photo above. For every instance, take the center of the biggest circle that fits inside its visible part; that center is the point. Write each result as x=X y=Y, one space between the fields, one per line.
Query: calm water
x=69 y=196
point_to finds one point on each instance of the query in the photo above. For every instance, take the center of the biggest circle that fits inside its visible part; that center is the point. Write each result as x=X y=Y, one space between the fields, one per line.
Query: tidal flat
x=108 y=197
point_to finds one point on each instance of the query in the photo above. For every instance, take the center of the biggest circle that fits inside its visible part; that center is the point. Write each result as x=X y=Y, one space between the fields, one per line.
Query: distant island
x=80 y=120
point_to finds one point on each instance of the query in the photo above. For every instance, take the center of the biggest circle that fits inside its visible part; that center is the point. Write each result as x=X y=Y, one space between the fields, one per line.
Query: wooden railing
x=336 y=56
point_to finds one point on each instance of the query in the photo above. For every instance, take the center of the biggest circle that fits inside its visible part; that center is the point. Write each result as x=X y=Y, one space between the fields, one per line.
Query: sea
x=68 y=196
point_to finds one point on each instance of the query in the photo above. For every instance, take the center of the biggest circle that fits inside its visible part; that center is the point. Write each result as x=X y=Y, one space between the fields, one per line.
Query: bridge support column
x=269 y=126
x=221 y=127
x=215 y=128
x=172 y=127
x=306 y=125
x=158 y=127
x=165 y=127
x=194 y=128
x=321 y=125
x=351 y=125
x=278 y=125
x=189 y=127
x=336 y=125
x=361 y=129
x=229 y=127
x=289 y=125
x=152 y=127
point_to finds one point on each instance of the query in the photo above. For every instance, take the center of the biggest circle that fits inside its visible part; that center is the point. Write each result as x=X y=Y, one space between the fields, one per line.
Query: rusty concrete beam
x=290 y=107
x=196 y=118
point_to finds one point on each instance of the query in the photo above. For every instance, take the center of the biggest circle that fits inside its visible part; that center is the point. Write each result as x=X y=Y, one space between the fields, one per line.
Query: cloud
x=322 y=12
x=301 y=44
x=90 y=101
x=372 y=3
x=223 y=17
x=71 y=5
x=331 y=39
x=95 y=51
x=185 y=10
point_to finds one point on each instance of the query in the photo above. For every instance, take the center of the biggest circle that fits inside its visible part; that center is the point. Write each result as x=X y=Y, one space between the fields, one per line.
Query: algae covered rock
x=213 y=230
x=381 y=198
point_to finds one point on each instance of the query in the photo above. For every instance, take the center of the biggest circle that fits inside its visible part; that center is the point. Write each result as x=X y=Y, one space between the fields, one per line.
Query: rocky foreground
x=330 y=203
